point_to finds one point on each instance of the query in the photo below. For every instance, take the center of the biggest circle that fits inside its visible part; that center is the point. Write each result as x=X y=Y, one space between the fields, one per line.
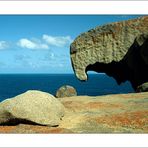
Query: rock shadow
x=132 y=67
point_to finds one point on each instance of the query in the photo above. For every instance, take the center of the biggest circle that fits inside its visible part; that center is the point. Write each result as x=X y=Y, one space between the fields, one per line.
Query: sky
x=41 y=43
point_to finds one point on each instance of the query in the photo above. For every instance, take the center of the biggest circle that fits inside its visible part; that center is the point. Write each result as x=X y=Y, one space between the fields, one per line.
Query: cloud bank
x=45 y=42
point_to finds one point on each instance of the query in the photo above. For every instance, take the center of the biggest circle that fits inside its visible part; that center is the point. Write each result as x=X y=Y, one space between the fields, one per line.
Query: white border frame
x=73 y=7
x=74 y=140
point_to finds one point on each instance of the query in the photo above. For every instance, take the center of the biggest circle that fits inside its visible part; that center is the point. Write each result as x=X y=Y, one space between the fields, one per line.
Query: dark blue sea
x=98 y=84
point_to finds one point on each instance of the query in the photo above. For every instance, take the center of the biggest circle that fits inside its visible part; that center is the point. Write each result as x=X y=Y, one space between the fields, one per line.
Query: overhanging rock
x=119 y=49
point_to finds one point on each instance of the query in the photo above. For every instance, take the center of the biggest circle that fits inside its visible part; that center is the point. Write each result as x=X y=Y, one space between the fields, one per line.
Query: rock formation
x=120 y=113
x=119 y=49
x=66 y=91
x=143 y=87
x=32 y=107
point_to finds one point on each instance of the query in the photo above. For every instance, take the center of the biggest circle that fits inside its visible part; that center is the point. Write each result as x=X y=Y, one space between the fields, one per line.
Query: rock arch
x=119 y=49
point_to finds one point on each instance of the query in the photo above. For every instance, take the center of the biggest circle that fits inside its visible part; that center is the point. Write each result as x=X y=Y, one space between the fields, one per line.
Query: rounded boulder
x=32 y=107
x=66 y=91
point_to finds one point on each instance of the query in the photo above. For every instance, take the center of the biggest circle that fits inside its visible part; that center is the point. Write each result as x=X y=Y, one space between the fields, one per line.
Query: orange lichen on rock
x=138 y=119
x=7 y=129
x=124 y=113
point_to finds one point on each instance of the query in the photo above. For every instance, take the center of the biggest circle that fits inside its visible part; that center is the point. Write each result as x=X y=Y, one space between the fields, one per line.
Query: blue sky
x=40 y=43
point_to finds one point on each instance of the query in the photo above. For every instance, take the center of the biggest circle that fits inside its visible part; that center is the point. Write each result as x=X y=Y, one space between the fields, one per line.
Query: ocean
x=98 y=84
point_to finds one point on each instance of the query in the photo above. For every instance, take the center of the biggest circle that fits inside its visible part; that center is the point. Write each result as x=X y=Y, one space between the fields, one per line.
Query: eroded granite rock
x=66 y=91
x=32 y=107
x=119 y=49
x=120 y=113
x=143 y=87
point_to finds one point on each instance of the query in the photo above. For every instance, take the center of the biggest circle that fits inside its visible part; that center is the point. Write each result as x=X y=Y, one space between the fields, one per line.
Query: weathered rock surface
x=29 y=129
x=66 y=91
x=119 y=49
x=143 y=87
x=123 y=113
x=32 y=107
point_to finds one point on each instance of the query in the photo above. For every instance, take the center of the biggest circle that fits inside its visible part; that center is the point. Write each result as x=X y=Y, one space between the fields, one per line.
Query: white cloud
x=59 y=41
x=26 y=43
x=3 y=45
x=44 y=42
